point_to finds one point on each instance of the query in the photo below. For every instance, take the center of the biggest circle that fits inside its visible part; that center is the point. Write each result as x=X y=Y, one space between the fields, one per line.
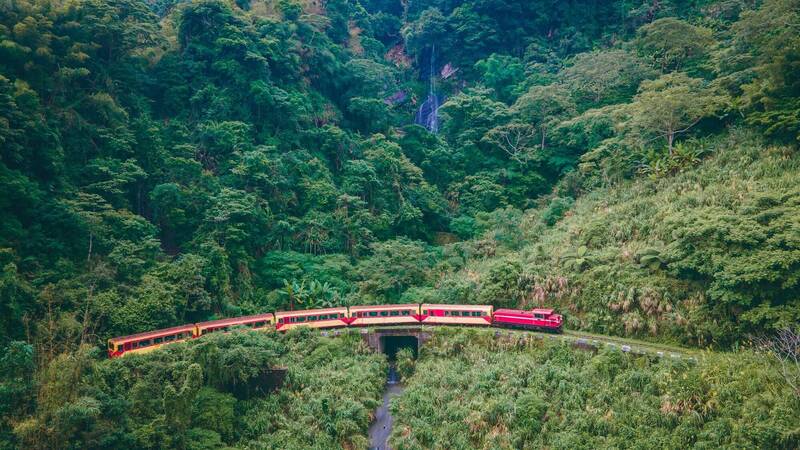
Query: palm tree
x=293 y=291
x=322 y=294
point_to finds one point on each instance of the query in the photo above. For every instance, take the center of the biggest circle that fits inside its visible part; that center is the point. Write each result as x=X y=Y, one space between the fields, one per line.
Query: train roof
x=304 y=312
x=382 y=307
x=235 y=320
x=449 y=306
x=154 y=333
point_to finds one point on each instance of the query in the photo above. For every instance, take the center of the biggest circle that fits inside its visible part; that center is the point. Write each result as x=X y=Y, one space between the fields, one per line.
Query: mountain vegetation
x=472 y=390
x=207 y=394
x=632 y=163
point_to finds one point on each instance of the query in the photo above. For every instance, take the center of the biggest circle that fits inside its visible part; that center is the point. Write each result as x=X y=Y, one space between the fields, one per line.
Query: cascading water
x=428 y=113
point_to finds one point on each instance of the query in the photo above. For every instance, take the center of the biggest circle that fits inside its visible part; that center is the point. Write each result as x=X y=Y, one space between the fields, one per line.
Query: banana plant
x=577 y=259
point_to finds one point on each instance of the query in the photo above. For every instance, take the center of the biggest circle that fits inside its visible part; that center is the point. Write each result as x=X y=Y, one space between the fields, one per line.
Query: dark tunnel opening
x=392 y=344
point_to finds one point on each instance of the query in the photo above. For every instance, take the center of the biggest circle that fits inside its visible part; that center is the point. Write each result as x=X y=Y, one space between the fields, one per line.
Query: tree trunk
x=89 y=254
x=670 y=139
x=543 y=135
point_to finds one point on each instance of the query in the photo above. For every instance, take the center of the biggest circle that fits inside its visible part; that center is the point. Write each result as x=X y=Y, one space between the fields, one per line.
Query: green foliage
x=208 y=393
x=702 y=255
x=674 y=44
x=475 y=390
x=600 y=78
x=393 y=267
x=405 y=362
x=503 y=74
x=168 y=161
x=556 y=209
x=669 y=106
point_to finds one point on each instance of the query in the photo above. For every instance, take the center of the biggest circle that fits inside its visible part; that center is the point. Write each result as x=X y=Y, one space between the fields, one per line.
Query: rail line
x=580 y=338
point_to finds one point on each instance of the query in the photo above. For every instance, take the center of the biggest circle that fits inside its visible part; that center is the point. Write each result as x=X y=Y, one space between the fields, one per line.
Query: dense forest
x=470 y=390
x=632 y=163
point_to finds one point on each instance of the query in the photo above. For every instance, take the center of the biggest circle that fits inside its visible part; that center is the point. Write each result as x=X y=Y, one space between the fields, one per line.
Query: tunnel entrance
x=392 y=344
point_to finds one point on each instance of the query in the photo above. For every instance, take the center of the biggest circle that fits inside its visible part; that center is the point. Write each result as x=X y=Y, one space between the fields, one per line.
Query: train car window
x=405 y=313
x=169 y=338
x=312 y=318
x=280 y=320
x=538 y=316
x=424 y=312
x=373 y=313
x=394 y=313
x=158 y=340
x=144 y=343
x=301 y=319
x=384 y=313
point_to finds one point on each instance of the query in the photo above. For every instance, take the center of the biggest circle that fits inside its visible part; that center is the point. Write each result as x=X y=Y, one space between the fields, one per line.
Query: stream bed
x=381 y=427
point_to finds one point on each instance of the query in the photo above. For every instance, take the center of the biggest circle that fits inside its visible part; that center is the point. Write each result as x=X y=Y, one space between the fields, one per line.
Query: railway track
x=626 y=345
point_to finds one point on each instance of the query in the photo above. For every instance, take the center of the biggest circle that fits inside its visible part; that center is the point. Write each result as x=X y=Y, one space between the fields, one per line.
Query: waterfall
x=428 y=113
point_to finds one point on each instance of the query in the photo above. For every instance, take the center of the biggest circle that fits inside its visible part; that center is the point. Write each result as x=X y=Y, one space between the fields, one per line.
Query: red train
x=353 y=316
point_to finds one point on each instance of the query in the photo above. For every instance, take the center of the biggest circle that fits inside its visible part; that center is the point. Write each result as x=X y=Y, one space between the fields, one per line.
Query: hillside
x=704 y=257
x=170 y=162
x=631 y=163
x=471 y=390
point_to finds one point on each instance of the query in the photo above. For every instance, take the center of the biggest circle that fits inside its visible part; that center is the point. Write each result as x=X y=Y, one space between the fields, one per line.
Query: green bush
x=506 y=393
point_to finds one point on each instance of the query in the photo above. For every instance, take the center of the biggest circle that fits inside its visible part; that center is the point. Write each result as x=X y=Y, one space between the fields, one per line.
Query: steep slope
x=704 y=257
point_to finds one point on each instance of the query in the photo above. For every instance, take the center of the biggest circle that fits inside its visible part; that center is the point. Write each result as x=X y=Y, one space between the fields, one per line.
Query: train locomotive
x=540 y=319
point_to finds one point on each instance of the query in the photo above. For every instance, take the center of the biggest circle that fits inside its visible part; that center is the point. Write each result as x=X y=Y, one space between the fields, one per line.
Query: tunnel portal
x=392 y=344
